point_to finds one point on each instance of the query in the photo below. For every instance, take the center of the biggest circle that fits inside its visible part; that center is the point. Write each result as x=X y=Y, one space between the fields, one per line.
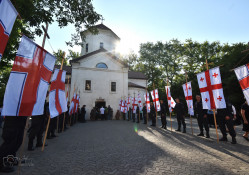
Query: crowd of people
x=226 y=118
x=14 y=129
x=102 y=113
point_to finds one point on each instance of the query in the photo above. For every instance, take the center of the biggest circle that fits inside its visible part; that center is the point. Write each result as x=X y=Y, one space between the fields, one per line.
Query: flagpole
x=186 y=77
x=68 y=109
x=214 y=112
x=169 y=104
x=58 y=118
x=146 y=104
x=155 y=102
x=138 y=109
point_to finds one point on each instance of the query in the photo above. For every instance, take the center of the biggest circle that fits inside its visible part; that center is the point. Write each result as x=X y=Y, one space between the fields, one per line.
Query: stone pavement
x=122 y=147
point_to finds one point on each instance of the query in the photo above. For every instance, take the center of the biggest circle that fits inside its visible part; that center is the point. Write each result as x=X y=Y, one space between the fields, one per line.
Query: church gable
x=100 y=60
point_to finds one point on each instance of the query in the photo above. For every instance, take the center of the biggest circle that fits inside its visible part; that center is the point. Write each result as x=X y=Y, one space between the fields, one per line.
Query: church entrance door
x=99 y=104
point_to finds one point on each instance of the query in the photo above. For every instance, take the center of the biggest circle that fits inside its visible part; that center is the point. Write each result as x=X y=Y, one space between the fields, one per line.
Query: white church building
x=99 y=76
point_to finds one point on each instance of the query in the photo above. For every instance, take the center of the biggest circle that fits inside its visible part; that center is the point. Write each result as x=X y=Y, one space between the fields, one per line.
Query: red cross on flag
x=122 y=105
x=8 y=15
x=171 y=101
x=211 y=89
x=57 y=96
x=147 y=101
x=72 y=105
x=242 y=74
x=140 y=102
x=155 y=98
x=29 y=79
x=125 y=106
x=188 y=96
x=128 y=102
x=76 y=104
x=134 y=105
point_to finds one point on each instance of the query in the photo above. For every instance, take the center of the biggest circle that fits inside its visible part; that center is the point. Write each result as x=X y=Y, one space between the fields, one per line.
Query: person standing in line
x=245 y=116
x=201 y=115
x=102 y=113
x=145 y=113
x=163 y=114
x=152 y=114
x=179 y=109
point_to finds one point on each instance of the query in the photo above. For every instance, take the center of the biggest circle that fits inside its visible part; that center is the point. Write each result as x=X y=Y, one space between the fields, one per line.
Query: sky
x=140 y=21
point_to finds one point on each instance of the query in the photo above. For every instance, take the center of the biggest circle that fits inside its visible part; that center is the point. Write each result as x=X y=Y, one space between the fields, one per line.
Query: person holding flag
x=179 y=109
x=201 y=115
x=163 y=115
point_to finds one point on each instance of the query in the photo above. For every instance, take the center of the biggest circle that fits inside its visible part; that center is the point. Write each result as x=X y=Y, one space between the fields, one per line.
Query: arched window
x=101 y=65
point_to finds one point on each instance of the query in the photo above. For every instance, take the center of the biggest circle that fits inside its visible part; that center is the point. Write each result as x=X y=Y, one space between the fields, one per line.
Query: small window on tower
x=113 y=86
x=86 y=48
x=101 y=45
x=88 y=85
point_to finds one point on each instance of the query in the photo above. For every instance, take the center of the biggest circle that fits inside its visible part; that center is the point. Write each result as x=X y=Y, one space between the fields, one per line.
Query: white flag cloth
x=211 y=89
x=134 y=105
x=242 y=74
x=77 y=103
x=57 y=96
x=187 y=89
x=128 y=102
x=147 y=101
x=140 y=102
x=122 y=106
x=71 y=109
x=155 y=98
x=125 y=106
x=171 y=101
x=8 y=15
x=29 y=79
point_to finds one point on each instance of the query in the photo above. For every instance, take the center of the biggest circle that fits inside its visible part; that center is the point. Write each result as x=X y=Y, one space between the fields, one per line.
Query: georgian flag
x=125 y=106
x=187 y=89
x=147 y=101
x=211 y=89
x=57 y=96
x=72 y=105
x=29 y=79
x=155 y=98
x=128 y=102
x=67 y=91
x=242 y=74
x=8 y=15
x=77 y=102
x=140 y=102
x=122 y=106
x=134 y=105
x=171 y=101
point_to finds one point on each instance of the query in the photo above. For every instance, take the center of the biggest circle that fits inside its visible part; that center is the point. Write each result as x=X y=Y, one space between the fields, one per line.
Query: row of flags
x=30 y=76
x=211 y=90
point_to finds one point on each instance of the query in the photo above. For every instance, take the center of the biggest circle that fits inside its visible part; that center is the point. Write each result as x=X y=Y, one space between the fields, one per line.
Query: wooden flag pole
x=58 y=118
x=186 y=77
x=170 y=106
x=214 y=112
x=155 y=102
x=146 y=105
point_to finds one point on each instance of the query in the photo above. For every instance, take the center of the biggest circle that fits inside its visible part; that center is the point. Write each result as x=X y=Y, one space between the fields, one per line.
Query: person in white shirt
x=102 y=113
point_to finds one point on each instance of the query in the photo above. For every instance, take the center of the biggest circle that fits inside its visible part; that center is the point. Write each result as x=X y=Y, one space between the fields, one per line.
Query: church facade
x=99 y=76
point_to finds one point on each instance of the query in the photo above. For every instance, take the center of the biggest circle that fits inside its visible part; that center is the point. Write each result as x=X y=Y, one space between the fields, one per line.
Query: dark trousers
x=133 y=117
x=163 y=120
x=202 y=122
x=145 y=118
x=52 y=126
x=229 y=123
x=124 y=116
x=181 y=121
x=12 y=135
x=102 y=116
x=36 y=130
x=61 y=118
x=153 y=119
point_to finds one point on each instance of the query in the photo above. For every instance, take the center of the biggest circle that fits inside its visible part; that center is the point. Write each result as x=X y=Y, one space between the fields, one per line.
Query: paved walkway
x=122 y=147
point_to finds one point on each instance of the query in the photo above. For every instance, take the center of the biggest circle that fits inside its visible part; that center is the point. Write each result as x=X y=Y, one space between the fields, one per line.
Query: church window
x=88 y=85
x=101 y=65
x=101 y=45
x=86 y=48
x=113 y=86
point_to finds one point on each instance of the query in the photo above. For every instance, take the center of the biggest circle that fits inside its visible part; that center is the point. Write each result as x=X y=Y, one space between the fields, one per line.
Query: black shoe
x=145 y=123
x=40 y=145
x=7 y=169
x=201 y=134
x=54 y=136
x=234 y=140
x=49 y=137
x=184 y=131
x=152 y=125
x=165 y=128
x=179 y=130
x=162 y=127
x=207 y=135
x=223 y=139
